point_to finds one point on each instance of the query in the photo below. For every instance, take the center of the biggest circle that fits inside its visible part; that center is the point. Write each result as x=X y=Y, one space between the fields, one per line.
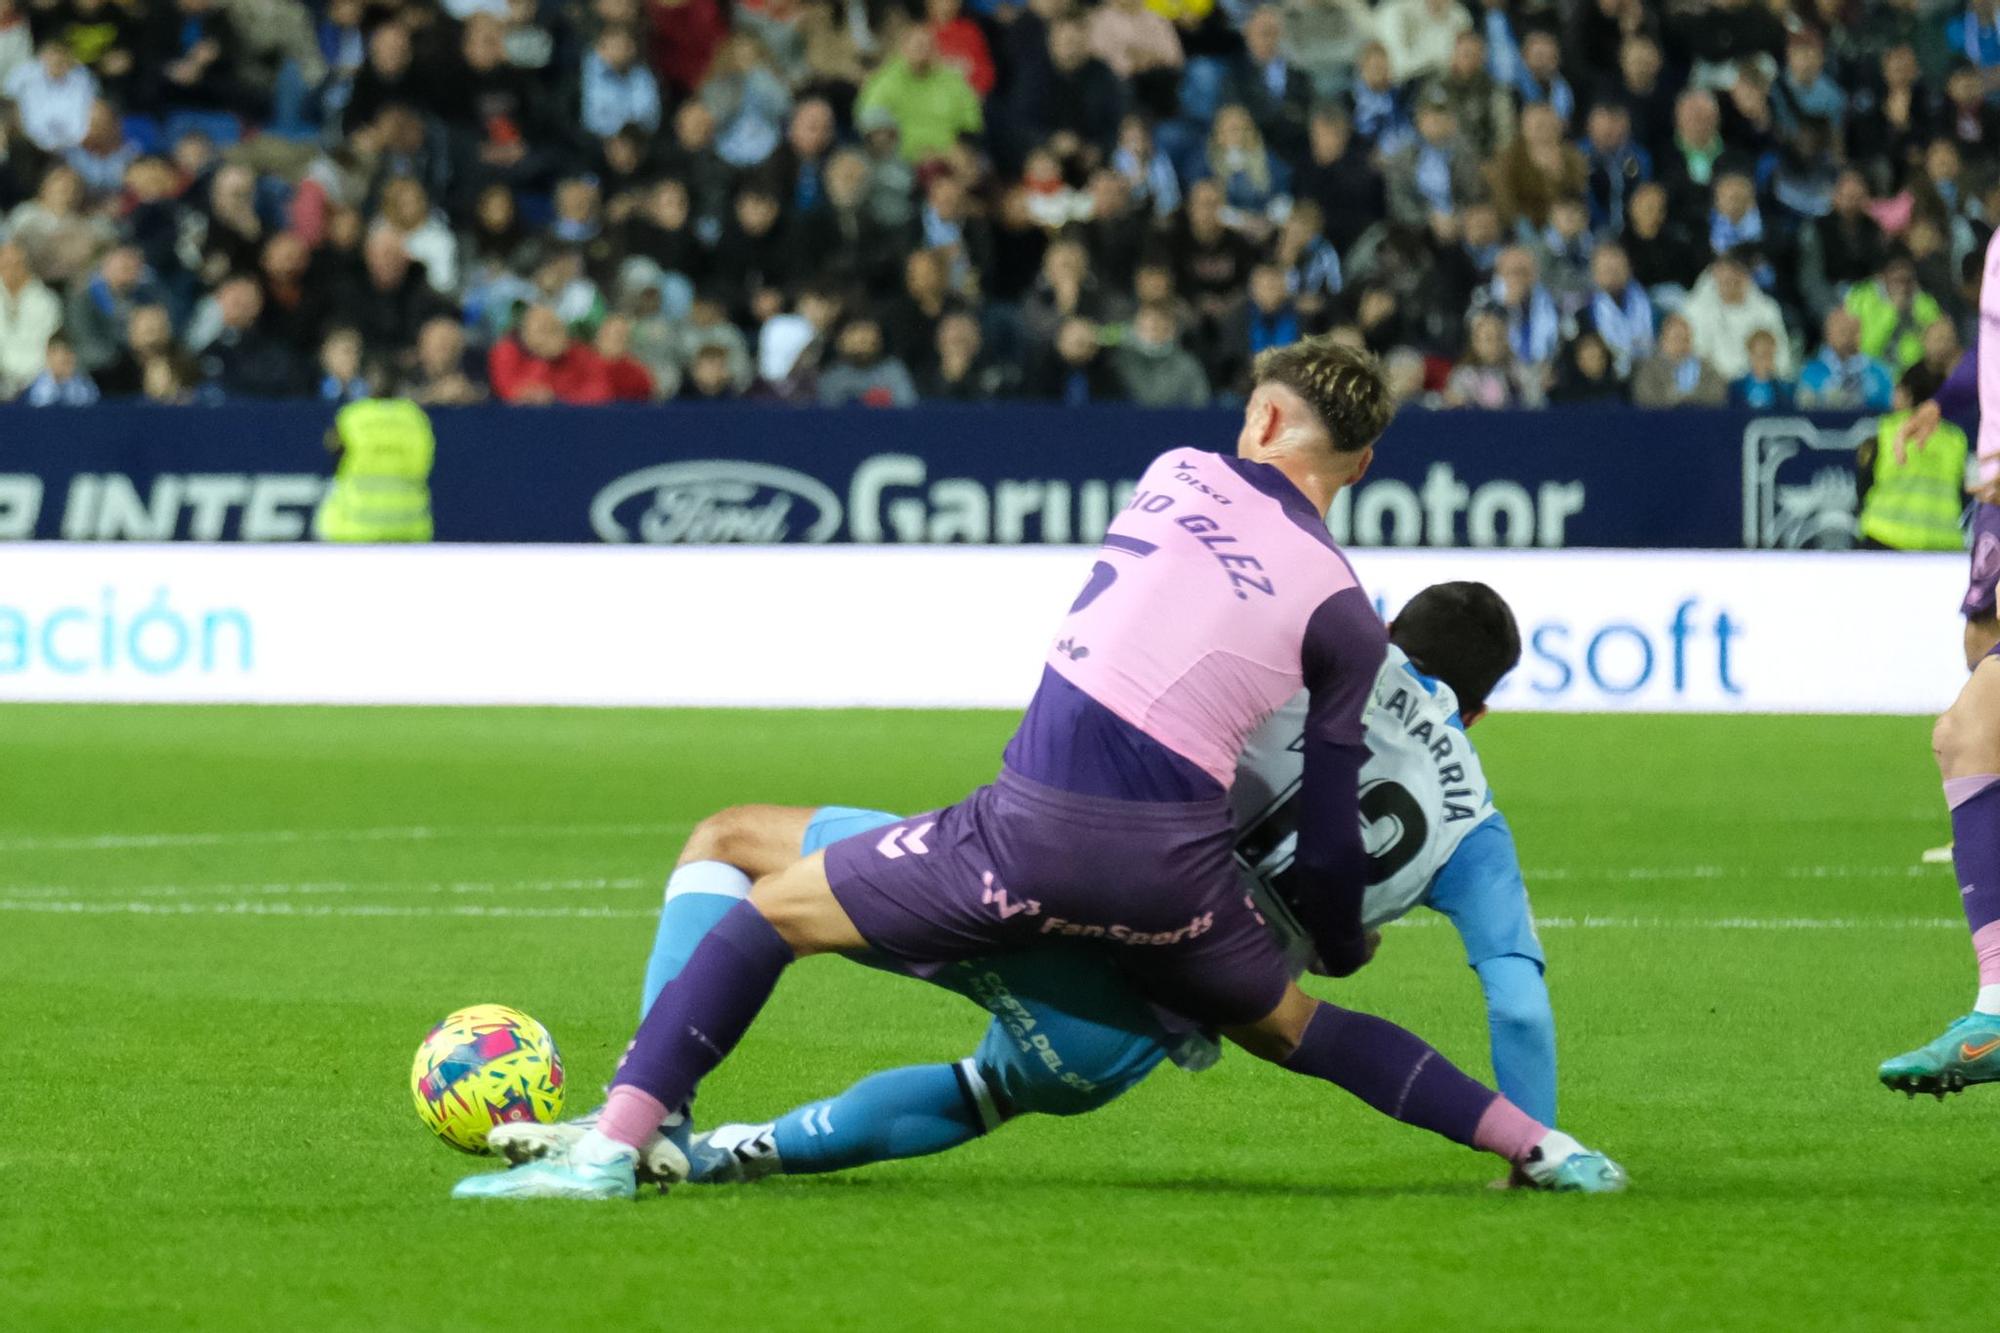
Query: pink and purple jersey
x=1217 y=595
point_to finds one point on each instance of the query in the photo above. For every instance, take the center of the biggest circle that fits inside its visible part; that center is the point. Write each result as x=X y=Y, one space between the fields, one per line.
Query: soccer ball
x=485 y=1066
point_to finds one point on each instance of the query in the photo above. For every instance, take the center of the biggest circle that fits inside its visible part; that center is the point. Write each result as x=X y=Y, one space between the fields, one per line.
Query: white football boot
x=1561 y=1165
x=734 y=1155
x=662 y=1161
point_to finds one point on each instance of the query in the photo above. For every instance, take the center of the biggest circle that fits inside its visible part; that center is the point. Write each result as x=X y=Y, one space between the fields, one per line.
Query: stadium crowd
x=1764 y=202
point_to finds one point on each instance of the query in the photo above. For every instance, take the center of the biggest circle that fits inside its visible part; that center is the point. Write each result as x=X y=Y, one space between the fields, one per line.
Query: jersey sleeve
x=1958 y=397
x=1482 y=891
x=1343 y=650
x=1521 y=1025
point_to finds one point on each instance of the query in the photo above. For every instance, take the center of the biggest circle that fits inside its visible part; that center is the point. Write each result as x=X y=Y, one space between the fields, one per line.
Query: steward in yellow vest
x=1913 y=502
x=381 y=486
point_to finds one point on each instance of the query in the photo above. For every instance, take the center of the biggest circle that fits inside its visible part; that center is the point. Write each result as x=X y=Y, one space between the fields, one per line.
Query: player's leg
x=722 y=857
x=1982 y=636
x=924 y=897
x=728 y=852
x=1404 y=1077
x=1967 y=743
x=914 y=1111
x=1234 y=976
x=697 y=1020
x=1068 y=1035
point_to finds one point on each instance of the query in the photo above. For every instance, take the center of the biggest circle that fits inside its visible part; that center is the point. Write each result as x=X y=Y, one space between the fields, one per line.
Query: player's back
x=1193 y=627
x=1423 y=788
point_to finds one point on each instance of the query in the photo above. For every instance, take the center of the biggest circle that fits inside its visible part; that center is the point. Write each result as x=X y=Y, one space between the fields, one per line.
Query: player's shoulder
x=1184 y=460
x=1246 y=501
x=1221 y=477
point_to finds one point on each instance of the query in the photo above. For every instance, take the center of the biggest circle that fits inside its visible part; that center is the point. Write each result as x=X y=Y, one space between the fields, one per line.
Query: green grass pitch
x=223 y=931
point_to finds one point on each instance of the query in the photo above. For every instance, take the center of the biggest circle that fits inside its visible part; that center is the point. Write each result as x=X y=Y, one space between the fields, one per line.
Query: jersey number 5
x=1391 y=803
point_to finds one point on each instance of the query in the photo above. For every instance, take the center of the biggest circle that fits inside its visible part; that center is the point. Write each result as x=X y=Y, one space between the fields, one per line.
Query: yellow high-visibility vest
x=381 y=489
x=1915 y=505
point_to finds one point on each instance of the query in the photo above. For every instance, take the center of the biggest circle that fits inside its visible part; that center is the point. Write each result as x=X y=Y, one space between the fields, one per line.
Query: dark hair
x=1343 y=386
x=1462 y=633
x=1920 y=382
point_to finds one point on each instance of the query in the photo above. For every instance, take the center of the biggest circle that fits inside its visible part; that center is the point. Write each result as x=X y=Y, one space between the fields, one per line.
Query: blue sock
x=699 y=894
x=898 y=1113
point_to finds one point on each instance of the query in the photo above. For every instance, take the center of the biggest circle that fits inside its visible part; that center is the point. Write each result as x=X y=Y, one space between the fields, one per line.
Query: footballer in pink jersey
x=1967 y=738
x=1217 y=596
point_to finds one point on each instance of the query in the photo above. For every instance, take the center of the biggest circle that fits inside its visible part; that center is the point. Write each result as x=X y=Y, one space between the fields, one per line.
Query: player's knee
x=1265 y=1044
x=1517 y=1018
x=729 y=836
x=1275 y=1036
x=1967 y=738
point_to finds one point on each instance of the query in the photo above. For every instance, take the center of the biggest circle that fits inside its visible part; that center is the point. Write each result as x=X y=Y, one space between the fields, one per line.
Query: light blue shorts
x=1069 y=1033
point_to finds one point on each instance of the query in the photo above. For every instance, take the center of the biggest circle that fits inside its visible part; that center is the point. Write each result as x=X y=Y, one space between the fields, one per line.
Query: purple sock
x=1393 y=1070
x=1975 y=831
x=704 y=1012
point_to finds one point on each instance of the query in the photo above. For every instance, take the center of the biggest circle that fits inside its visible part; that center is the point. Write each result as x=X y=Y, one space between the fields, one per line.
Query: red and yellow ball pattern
x=484 y=1066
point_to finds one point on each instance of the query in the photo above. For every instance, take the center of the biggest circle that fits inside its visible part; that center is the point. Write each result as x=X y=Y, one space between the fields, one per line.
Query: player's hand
x=1917 y=430
x=1987 y=492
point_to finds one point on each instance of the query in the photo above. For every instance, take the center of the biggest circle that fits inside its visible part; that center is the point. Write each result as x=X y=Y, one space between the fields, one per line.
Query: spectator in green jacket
x=931 y=102
x=1894 y=313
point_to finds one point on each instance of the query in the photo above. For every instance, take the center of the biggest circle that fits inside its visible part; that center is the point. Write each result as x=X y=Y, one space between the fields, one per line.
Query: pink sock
x=1508 y=1131
x=1986 y=943
x=630 y=1116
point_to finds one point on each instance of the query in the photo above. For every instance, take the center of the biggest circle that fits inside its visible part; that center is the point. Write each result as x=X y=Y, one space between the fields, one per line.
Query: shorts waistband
x=1128 y=814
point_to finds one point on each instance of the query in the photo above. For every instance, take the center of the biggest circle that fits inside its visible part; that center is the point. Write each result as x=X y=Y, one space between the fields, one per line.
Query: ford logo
x=714 y=501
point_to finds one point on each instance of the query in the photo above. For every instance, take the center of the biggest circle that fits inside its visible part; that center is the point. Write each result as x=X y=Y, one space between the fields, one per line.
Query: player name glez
x=1209 y=533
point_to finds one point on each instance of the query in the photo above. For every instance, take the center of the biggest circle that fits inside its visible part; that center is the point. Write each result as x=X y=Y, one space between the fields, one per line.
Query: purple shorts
x=1018 y=865
x=1979 y=593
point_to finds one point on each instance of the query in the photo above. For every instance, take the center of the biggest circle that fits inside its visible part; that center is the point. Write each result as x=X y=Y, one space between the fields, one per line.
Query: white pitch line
x=81 y=907
x=22 y=892
x=74 y=907
x=108 y=842
x=1616 y=874
x=1723 y=923
x=29 y=891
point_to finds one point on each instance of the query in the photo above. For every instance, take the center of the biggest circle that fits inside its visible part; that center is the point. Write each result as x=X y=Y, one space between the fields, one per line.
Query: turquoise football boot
x=1561 y=1165
x=1967 y=1053
x=593 y=1167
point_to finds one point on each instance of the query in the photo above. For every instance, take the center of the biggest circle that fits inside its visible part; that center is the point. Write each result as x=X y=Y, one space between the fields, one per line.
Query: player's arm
x=1482 y=892
x=1957 y=399
x=1344 y=647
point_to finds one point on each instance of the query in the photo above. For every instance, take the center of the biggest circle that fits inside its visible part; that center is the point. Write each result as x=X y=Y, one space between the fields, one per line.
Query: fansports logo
x=715 y=501
x=995 y=895
x=1121 y=934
